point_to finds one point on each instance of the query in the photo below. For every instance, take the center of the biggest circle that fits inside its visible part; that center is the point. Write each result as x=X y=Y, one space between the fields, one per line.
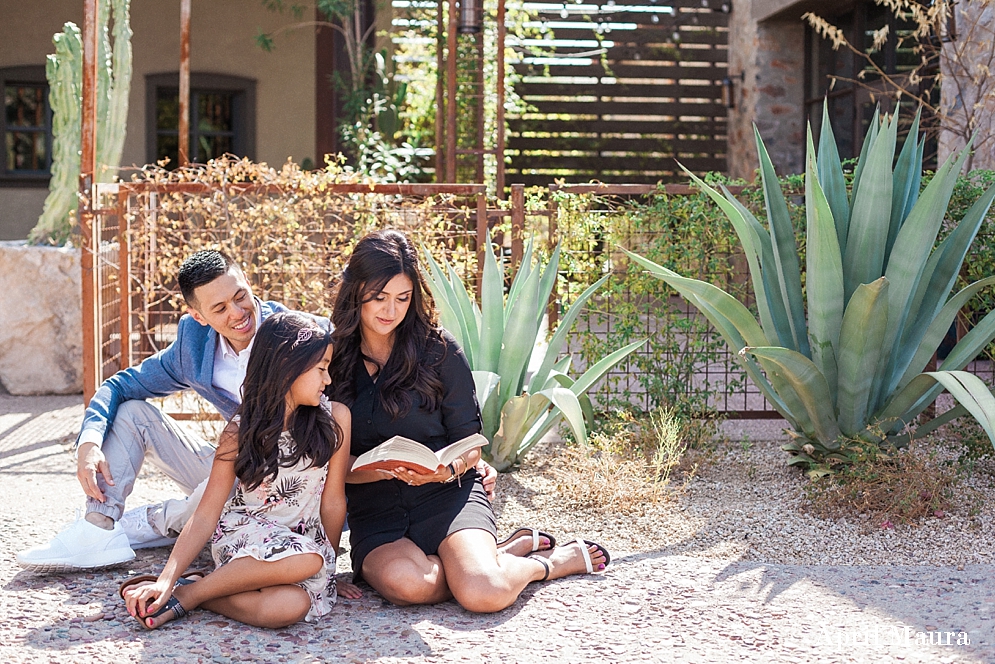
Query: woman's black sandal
x=544 y=564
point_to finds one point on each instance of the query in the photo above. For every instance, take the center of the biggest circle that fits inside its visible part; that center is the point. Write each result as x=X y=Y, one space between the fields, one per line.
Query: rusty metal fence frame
x=112 y=339
x=111 y=319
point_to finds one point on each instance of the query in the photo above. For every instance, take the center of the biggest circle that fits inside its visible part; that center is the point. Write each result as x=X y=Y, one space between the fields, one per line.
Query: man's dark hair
x=201 y=268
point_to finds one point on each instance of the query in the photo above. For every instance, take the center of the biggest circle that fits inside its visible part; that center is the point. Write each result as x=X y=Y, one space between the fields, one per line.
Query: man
x=120 y=429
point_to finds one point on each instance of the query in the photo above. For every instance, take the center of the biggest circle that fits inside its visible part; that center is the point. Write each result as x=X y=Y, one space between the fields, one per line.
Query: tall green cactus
x=64 y=71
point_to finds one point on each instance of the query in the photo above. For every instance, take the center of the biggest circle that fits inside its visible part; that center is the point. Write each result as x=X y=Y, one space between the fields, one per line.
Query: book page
x=401 y=451
x=460 y=447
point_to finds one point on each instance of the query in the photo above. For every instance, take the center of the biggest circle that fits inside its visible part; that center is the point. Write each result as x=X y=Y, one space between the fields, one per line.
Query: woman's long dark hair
x=286 y=345
x=376 y=259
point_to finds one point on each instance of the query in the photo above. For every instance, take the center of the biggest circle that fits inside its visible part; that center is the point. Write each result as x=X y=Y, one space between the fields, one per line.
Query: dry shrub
x=895 y=486
x=290 y=229
x=628 y=464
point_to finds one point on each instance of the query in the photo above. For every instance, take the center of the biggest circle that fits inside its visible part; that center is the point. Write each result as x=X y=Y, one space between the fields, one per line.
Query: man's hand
x=90 y=460
x=489 y=476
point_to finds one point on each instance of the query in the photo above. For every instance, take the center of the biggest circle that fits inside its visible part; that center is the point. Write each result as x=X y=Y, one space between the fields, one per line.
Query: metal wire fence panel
x=293 y=246
x=685 y=363
x=108 y=255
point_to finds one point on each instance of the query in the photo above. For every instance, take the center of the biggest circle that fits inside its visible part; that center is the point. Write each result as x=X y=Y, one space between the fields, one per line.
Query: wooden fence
x=620 y=92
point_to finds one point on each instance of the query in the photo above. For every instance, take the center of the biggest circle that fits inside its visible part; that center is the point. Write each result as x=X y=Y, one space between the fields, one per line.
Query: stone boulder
x=41 y=344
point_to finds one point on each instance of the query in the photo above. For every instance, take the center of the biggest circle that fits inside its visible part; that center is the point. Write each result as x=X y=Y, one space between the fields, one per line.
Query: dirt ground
x=733 y=571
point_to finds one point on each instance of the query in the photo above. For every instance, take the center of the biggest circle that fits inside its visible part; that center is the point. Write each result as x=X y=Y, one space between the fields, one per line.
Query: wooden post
x=184 y=129
x=440 y=97
x=517 y=224
x=451 y=89
x=502 y=32
x=88 y=167
x=480 y=94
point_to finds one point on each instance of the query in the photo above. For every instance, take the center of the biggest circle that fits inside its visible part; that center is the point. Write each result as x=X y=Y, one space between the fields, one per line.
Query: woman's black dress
x=385 y=511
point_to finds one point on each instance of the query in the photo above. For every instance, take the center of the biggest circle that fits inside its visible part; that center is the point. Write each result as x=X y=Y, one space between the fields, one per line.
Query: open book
x=401 y=451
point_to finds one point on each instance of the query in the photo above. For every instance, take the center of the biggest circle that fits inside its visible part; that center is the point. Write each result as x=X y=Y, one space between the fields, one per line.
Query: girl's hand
x=417 y=479
x=348 y=590
x=145 y=600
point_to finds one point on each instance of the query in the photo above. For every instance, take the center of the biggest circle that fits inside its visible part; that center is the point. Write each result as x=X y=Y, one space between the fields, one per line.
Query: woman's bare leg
x=484 y=581
x=404 y=575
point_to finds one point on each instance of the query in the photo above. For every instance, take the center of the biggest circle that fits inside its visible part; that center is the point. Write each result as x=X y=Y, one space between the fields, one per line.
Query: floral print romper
x=281 y=518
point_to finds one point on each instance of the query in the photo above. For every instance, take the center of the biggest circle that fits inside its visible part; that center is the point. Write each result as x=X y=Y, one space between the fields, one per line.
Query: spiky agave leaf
x=825 y=286
x=831 y=178
x=782 y=235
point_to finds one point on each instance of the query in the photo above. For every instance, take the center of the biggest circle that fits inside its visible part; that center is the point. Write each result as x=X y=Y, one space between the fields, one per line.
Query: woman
x=421 y=538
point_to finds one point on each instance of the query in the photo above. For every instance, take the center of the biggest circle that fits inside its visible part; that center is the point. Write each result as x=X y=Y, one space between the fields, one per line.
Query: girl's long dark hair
x=286 y=345
x=376 y=259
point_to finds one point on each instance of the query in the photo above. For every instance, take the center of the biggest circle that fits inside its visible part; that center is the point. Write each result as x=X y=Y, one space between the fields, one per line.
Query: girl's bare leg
x=272 y=607
x=237 y=590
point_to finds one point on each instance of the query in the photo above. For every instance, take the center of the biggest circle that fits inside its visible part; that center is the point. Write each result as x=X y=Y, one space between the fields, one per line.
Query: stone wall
x=766 y=64
x=975 y=32
x=40 y=320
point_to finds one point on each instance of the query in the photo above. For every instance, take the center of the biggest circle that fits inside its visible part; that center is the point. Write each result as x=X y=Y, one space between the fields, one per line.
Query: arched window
x=222 y=117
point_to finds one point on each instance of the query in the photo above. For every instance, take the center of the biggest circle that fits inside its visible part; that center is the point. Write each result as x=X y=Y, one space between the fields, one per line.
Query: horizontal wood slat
x=605 y=165
x=683 y=107
x=662 y=100
x=706 y=89
x=714 y=127
x=672 y=37
x=632 y=145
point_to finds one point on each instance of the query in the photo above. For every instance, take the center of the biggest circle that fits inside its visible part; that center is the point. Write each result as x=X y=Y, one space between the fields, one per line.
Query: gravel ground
x=735 y=569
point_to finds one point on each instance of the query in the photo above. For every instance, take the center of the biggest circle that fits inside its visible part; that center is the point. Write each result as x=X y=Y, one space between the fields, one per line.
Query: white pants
x=142 y=431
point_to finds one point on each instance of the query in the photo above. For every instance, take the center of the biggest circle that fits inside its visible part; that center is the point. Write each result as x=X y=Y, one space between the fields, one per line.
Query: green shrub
x=846 y=359
x=685 y=233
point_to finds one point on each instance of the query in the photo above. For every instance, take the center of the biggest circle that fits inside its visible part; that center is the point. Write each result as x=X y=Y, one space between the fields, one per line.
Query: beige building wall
x=222 y=41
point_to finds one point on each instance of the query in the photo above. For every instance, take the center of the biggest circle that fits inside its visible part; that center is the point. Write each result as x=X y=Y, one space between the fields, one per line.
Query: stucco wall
x=771 y=57
x=222 y=41
x=19 y=210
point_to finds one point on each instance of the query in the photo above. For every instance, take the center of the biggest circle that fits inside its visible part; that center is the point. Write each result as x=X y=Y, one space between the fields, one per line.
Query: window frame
x=243 y=107
x=855 y=99
x=31 y=75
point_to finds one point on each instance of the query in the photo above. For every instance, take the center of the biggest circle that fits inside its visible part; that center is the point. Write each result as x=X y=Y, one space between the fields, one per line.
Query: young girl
x=274 y=542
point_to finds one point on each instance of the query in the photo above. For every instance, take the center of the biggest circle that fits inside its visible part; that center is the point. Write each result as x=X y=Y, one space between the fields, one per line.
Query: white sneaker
x=140 y=533
x=80 y=546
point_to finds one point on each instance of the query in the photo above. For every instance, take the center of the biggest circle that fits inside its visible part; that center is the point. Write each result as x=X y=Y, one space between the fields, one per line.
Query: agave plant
x=877 y=293
x=499 y=338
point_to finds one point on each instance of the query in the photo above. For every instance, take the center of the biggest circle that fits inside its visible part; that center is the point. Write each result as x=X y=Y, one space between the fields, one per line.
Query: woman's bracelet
x=456 y=476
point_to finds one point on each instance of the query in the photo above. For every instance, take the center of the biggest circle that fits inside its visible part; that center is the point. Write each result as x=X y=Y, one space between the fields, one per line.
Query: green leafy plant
x=683 y=232
x=877 y=293
x=499 y=338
